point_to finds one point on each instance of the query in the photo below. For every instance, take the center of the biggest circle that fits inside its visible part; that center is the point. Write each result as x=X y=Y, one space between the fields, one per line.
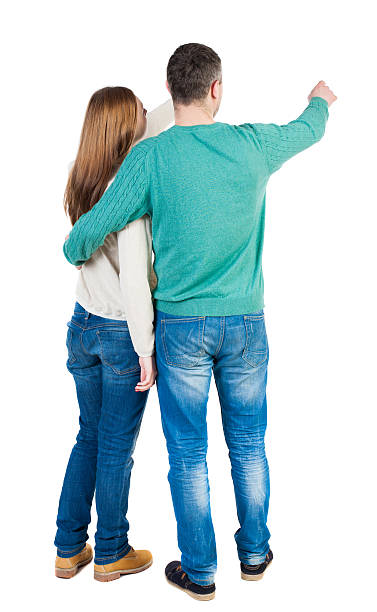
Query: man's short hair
x=191 y=70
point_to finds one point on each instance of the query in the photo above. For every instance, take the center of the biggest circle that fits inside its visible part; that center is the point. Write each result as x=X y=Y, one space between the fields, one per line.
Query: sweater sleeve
x=135 y=263
x=281 y=142
x=126 y=199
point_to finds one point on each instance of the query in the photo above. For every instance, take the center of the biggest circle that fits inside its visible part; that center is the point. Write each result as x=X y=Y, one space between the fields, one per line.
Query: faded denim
x=106 y=369
x=235 y=349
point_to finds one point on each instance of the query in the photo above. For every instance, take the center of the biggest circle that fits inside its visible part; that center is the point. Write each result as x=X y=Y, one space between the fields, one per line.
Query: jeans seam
x=76 y=324
x=193 y=578
x=122 y=552
x=185 y=320
x=222 y=333
x=255 y=560
x=78 y=548
x=201 y=333
x=199 y=581
x=82 y=344
x=101 y=325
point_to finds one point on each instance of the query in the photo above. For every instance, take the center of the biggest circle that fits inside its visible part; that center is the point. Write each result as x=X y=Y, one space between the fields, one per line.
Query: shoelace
x=183 y=577
x=186 y=580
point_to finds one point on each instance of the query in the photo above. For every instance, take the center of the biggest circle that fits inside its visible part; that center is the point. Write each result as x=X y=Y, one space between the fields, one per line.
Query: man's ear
x=167 y=86
x=215 y=90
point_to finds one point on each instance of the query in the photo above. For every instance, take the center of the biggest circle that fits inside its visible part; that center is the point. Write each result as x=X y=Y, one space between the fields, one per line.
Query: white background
x=319 y=265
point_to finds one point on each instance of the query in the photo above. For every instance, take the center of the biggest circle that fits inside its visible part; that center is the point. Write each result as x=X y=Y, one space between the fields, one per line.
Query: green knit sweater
x=204 y=187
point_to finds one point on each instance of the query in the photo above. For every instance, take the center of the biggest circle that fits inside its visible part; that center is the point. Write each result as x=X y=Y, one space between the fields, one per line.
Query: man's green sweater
x=204 y=188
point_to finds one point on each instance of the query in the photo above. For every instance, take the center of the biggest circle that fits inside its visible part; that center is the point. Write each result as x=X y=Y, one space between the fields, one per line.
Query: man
x=203 y=183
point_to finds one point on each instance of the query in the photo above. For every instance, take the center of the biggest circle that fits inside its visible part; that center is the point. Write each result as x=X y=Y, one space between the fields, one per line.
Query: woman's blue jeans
x=235 y=348
x=106 y=370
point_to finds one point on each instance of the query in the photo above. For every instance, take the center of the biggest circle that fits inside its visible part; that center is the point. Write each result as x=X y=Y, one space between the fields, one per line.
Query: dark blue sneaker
x=178 y=578
x=256 y=572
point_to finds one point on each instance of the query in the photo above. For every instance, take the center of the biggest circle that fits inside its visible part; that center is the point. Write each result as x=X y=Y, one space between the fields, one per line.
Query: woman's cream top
x=116 y=282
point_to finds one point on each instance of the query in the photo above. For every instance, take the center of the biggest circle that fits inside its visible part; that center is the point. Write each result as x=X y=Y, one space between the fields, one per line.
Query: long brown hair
x=106 y=138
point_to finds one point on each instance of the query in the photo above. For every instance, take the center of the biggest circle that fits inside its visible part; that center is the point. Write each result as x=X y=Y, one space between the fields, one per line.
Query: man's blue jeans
x=106 y=370
x=235 y=348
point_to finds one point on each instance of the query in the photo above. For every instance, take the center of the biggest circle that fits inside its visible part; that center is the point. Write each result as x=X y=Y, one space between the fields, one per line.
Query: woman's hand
x=148 y=373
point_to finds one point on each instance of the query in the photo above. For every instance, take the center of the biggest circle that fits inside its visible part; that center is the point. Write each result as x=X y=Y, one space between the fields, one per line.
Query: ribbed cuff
x=74 y=263
x=319 y=102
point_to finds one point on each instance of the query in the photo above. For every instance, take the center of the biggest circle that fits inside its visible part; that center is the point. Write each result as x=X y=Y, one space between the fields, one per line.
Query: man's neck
x=192 y=115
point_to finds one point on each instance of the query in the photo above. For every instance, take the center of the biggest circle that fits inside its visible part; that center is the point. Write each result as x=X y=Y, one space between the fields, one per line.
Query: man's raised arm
x=281 y=142
x=125 y=200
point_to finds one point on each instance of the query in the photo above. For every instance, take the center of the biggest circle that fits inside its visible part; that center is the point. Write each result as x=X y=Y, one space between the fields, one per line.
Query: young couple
x=198 y=189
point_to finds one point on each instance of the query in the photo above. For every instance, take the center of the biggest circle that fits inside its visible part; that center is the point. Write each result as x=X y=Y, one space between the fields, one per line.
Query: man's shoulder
x=246 y=132
x=241 y=130
x=146 y=145
x=248 y=129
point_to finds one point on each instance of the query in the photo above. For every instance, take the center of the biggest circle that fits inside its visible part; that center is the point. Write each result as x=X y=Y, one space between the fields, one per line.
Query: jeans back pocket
x=117 y=351
x=182 y=340
x=256 y=349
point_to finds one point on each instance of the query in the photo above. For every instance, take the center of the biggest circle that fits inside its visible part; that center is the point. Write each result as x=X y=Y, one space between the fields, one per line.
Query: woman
x=110 y=345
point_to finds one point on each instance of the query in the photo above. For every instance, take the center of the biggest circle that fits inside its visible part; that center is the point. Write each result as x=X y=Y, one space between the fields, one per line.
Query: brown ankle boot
x=68 y=567
x=135 y=561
